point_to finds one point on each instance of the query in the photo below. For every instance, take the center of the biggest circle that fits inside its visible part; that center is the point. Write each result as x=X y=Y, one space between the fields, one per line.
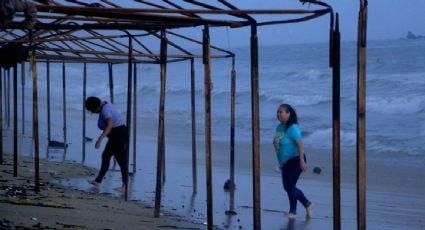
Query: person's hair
x=293 y=119
x=92 y=103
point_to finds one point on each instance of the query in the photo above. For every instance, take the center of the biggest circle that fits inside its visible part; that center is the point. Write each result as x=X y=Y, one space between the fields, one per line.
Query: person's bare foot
x=309 y=209
x=120 y=189
x=291 y=216
x=94 y=183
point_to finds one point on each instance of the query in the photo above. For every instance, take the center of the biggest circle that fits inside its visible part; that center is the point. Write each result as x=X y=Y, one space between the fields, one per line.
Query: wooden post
x=361 y=117
x=161 y=139
x=255 y=111
x=193 y=110
x=336 y=126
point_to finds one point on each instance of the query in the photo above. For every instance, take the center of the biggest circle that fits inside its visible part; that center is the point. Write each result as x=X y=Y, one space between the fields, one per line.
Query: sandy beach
x=394 y=190
x=58 y=207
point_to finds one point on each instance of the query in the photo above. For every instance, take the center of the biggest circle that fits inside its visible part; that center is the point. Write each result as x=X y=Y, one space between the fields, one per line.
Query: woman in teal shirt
x=290 y=154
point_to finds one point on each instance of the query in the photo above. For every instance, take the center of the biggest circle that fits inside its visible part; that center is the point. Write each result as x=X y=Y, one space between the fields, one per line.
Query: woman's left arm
x=105 y=132
x=303 y=164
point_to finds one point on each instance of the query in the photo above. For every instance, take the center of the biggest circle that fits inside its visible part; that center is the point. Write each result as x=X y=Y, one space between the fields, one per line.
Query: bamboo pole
x=15 y=120
x=193 y=110
x=361 y=117
x=161 y=136
x=255 y=111
x=84 y=112
x=208 y=150
x=336 y=126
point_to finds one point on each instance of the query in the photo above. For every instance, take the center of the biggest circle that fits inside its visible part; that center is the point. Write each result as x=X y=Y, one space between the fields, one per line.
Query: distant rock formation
x=411 y=35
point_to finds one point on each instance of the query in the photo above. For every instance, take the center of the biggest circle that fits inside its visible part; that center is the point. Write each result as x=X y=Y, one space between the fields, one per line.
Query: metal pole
x=15 y=120
x=111 y=82
x=35 y=117
x=255 y=127
x=161 y=139
x=129 y=82
x=84 y=111
x=23 y=95
x=208 y=151
x=64 y=109
x=336 y=125
x=8 y=98
x=1 y=116
x=232 y=139
x=361 y=117
x=111 y=95
x=48 y=100
x=135 y=118
x=193 y=110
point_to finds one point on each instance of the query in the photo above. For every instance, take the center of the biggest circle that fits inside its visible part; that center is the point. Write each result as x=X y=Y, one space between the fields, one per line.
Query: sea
x=298 y=74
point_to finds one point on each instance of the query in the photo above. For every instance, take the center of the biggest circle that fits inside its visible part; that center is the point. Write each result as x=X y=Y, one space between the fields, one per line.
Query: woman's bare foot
x=291 y=216
x=94 y=183
x=309 y=209
x=120 y=189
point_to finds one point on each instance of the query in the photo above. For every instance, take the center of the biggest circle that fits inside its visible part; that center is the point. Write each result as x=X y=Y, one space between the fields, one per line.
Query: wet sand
x=395 y=188
x=58 y=207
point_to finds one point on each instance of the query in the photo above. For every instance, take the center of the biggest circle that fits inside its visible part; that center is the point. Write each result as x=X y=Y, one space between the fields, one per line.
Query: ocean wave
x=396 y=105
x=299 y=100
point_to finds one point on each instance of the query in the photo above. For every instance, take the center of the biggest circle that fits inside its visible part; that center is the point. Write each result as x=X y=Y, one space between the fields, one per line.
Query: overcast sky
x=387 y=19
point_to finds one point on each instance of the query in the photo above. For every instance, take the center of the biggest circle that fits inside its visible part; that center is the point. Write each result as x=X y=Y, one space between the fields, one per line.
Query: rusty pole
x=134 y=117
x=255 y=111
x=232 y=139
x=84 y=111
x=111 y=95
x=48 y=100
x=129 y=88
x=15 y=120
x=23 y=96
x=361 y=117
x=161 y=139
x=336 y=125
x=193 y=110
x=64 y=109
x=35 y=117
x=1 y=117
x=207 y=86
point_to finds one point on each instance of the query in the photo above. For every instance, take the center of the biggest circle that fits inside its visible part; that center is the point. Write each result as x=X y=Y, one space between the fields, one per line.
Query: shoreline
x=58 y=207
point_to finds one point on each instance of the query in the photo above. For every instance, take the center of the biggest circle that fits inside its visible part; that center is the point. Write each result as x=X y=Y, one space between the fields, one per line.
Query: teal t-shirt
x=287 y=148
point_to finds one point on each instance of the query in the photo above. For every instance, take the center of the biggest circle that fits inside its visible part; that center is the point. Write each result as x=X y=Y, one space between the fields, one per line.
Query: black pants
x=116 y=146
x=291 y=172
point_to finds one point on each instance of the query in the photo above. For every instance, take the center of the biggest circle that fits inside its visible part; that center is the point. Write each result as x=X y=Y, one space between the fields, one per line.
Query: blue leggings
x=291 y=171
